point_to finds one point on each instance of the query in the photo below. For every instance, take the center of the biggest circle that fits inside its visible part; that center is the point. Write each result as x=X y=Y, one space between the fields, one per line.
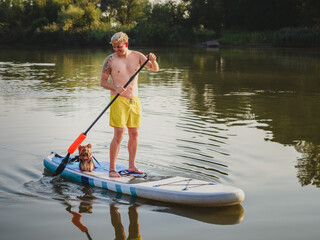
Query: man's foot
x=114 y=174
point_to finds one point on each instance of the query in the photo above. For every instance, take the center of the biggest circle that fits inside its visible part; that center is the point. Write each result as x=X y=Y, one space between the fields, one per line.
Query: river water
x=249 y=118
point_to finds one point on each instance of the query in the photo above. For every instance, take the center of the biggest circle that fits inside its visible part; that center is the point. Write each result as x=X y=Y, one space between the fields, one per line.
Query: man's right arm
x=106 y=71
x=104 y=81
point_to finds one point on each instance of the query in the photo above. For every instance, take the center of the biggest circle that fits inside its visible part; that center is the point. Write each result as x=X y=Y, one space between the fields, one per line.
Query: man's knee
x=133 y=133
x=118 y=134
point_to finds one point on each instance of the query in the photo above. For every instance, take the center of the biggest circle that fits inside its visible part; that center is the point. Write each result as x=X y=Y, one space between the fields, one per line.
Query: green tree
x=70 y=17
x=165 y=24
x=81 y=14
x=309 y=14
x=260 y=15
x=205 y=13
x=125 y=12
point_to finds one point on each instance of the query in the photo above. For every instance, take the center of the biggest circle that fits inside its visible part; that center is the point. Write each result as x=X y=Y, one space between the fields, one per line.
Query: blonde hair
x=119 y=37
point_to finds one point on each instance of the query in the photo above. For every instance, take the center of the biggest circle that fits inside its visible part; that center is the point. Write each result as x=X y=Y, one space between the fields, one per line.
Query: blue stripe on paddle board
x=118 y=188
x=85 y=180
x=105 y=185
x=91 y=182
x=133 y=191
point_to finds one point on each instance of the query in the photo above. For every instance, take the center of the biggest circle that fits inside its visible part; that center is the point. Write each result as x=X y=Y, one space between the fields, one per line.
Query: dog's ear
x=80 y=147
x=89 y=146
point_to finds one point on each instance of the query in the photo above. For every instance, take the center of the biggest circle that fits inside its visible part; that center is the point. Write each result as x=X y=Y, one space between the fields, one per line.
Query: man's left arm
x=152 y=64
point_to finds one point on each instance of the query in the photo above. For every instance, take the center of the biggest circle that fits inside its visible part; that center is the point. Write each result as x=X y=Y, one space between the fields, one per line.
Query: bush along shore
x=141 y=36
x=301 y=37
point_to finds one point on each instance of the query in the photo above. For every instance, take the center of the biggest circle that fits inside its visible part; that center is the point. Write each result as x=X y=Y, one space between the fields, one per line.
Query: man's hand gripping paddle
x=83 y=135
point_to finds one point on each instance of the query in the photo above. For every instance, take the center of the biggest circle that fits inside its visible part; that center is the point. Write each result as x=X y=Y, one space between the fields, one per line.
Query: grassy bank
x=145 y=35
x=285 y=37
x=242 y=38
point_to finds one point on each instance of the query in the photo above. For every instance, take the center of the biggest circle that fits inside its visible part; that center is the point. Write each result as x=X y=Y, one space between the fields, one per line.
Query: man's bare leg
x=132 y=148
x=114 y=150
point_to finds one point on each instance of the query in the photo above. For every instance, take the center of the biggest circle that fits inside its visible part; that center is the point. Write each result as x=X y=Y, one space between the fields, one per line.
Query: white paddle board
x=173 y=189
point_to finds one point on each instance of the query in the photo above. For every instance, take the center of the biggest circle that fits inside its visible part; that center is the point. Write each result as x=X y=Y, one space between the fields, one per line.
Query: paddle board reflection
x=86 y=197
x=213 y=215
x=229 y=215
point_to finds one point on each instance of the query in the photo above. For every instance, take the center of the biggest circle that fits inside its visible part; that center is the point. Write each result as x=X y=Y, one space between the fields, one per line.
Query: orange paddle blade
x=76 y=143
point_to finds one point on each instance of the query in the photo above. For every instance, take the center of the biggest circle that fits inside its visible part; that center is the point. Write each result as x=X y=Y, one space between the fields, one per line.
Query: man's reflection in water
x=134 y=233
x=85 y=206
x=221 y=216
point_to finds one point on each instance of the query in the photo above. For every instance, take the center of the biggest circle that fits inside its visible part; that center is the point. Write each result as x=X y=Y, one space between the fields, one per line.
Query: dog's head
x=85 y=152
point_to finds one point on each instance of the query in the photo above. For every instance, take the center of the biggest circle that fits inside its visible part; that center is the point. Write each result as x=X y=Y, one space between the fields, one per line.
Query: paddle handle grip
x=74 y=146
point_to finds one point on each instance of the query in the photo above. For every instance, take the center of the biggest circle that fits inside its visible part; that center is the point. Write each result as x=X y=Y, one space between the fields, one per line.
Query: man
x=126 y=109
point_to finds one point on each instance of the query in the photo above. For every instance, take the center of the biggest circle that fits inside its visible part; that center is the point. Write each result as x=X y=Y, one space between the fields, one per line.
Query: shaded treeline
x=165 y=23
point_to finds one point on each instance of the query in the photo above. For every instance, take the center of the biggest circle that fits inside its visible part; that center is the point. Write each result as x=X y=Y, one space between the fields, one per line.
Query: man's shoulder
x=109 y=57
x=136 y=53
x=138 y=56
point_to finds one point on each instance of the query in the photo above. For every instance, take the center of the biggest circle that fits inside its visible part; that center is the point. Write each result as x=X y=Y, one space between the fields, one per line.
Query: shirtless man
x=126 y=109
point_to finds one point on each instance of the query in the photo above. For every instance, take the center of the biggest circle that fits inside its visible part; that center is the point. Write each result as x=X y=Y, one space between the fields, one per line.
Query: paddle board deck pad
x=173 y=189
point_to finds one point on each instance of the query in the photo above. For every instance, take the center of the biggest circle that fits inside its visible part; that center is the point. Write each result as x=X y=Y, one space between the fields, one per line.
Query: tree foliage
x=125 y=12
x=204 y=13
x=169 y=22
x=81 y=15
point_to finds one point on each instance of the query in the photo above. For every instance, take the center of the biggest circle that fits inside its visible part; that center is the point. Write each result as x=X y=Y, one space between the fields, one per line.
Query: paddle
x=83 y=135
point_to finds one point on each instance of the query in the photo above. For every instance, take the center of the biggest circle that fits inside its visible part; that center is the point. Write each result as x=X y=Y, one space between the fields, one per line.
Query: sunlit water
x=243 y=117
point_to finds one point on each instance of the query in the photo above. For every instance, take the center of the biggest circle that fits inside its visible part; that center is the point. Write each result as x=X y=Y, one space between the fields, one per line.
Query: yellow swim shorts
x=125 y=112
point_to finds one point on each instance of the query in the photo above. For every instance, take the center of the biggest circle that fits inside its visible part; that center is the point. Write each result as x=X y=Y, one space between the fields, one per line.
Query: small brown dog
x=86 y=159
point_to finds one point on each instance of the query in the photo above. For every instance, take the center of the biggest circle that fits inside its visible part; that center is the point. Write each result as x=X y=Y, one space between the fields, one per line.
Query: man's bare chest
x=124 y=68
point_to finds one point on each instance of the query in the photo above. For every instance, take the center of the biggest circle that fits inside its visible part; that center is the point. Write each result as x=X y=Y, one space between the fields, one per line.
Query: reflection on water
x=52 y=72
x=221 y=216
x=80 y=200
x=134 y=232
x=76 y=219
x=277 y=89
x=214 y=215
x=308 y=165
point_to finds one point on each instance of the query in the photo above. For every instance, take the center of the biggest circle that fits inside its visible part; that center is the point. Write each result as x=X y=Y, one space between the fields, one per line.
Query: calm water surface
x=243 y=117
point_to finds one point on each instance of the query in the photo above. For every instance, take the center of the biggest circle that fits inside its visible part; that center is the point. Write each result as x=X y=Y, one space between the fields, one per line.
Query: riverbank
x=241 y=38
x=287 y=37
